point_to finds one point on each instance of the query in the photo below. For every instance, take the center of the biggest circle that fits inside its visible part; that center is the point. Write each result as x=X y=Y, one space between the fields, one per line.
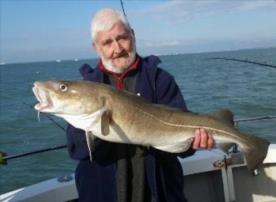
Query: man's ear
x=96 y=47
x=132 y=31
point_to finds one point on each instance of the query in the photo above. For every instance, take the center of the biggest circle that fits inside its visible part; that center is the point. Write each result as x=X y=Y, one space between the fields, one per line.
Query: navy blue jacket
x=163 y=170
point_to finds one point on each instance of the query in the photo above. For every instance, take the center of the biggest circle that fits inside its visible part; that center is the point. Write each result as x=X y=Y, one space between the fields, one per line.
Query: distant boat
x=2 y=63
x=76 y=59
x=58 y=60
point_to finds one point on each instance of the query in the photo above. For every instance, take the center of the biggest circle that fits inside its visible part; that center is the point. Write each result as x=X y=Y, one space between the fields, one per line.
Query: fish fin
x=224 y=115
x=89 y=140
x=177 y=147
x=38 y=116
x=105 y=122
x=254 y=150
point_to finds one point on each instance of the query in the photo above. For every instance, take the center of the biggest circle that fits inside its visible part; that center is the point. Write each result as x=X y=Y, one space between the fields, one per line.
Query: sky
x=45 y=30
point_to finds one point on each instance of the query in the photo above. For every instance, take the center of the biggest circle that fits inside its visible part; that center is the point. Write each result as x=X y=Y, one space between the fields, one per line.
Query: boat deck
x=209 y=175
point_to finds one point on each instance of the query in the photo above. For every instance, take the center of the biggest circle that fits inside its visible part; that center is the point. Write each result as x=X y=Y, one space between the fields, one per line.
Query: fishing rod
x=256 y=118
x=241 y=60
x=123 y=8
x=4 y=158
x=124 y=12
x=49 y=117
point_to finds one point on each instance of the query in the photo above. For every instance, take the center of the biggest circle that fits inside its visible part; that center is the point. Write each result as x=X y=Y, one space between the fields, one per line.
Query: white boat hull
x=202 y=181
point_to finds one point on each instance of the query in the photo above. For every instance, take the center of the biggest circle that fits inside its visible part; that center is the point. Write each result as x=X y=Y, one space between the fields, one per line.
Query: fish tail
x=255 y=150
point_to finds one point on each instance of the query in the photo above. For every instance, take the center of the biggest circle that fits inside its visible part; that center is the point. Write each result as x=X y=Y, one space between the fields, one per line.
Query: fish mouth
x=44 y=100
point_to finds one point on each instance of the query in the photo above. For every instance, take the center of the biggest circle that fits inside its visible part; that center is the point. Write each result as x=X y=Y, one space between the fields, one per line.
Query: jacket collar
x=119 y=78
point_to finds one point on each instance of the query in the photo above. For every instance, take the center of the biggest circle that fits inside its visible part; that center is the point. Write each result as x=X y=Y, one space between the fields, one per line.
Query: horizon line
x=58 y=60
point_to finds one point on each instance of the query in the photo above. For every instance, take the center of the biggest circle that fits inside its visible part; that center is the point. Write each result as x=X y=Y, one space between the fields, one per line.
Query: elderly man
x=121 y=172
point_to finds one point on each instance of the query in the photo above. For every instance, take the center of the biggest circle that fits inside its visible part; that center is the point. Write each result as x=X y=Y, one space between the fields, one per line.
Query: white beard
x=109 y=66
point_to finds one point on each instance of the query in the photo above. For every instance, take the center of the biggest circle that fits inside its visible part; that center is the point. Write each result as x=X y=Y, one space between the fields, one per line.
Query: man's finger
x=196 y=141
x=203 y=138
x=210 y=143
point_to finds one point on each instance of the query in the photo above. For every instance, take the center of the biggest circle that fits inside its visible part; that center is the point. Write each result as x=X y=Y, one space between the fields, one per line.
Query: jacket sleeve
x=76 y=143
x=169 y=94
x=78 y=150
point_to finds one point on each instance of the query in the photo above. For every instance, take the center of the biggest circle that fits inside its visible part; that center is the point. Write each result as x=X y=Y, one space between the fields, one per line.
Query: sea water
x=207 y=85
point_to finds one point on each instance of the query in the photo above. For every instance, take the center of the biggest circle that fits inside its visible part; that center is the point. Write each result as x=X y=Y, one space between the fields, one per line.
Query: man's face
x=116 y=47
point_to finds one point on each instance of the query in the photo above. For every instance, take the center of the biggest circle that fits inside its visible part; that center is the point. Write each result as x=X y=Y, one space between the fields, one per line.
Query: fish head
x=66 y=97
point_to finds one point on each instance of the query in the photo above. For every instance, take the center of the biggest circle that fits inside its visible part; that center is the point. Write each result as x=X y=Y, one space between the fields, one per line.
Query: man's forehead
x=117 y=29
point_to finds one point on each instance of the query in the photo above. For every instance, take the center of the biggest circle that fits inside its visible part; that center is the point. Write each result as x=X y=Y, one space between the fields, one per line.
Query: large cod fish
x=119 y=116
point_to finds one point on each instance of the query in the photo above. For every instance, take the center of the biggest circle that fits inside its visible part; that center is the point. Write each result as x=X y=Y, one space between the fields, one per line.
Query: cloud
x=158 y=47
x=252 y=5
x=178 y=11
x=162 y=43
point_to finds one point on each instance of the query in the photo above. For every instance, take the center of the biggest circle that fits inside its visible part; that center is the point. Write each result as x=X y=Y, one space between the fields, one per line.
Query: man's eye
x=123 y=37
x=106 y=43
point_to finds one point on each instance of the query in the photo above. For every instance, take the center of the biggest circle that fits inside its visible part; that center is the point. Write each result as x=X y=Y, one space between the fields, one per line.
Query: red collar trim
x=120 y=77
x=133 y=66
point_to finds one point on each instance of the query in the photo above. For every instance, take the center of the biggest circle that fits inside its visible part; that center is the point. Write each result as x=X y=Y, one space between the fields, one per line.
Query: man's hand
x=202 y=140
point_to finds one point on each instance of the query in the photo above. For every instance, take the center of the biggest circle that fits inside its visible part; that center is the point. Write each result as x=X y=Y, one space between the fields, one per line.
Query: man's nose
x=117 y=47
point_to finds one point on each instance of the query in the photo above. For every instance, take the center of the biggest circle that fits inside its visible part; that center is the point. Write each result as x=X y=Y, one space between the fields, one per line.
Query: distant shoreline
x=168 y=54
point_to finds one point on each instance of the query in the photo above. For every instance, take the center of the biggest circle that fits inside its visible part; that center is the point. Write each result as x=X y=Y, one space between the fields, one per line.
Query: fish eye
x=63 y=87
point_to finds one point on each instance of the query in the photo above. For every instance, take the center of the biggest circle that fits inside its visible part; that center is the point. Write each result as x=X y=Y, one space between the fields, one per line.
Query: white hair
x=105 y=19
